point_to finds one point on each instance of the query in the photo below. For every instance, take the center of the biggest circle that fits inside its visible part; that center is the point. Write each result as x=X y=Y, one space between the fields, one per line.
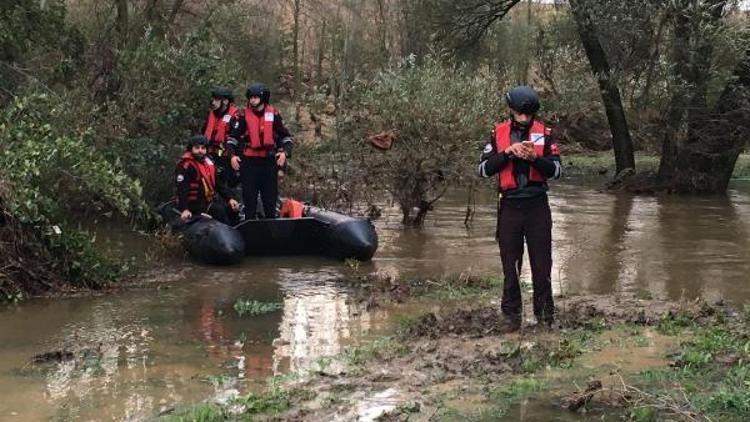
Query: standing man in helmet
x=259 y=146
x=523 y=155
x=197 y=185
x=216 y=128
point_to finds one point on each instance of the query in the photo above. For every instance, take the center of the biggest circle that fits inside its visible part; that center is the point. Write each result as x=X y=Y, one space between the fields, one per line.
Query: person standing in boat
x=524 y=156
x=199 y=189
x=259 y=147
x=216 y=128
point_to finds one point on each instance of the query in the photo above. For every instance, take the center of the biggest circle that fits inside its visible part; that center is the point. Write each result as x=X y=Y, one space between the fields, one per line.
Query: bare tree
x=469 y=20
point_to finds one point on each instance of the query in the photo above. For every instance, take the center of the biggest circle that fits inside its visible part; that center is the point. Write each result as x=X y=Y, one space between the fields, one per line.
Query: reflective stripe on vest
x=506 y=177
x=259 y=132
x=216 y=127
x=205 y=181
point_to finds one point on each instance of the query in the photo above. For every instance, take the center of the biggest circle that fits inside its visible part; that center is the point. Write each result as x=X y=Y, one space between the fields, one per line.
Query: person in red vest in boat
x=199 y=189
x=259 y=146
x=216 y=128
x=524 y=156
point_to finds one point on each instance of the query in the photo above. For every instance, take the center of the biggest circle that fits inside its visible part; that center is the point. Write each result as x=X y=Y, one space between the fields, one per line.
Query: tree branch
x=469 y=20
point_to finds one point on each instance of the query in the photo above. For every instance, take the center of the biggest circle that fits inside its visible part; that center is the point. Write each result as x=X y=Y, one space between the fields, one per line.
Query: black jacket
x=184 y=176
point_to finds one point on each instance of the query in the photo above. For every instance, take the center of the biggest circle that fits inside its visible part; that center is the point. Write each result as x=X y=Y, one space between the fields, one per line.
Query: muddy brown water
x=136 y=353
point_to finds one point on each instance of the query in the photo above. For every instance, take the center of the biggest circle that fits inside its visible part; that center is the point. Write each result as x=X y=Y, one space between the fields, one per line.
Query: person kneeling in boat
x=259 y=146
x=198 y=185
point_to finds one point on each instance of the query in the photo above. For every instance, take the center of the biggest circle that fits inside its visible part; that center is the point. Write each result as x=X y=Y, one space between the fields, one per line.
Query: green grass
x=377 y=349
x=199 y=413
x=598 y=163
x=457 y=288
x=710 y=372
x=502 y=398
x=603 y=163
x=253 y=307
x=270 y=402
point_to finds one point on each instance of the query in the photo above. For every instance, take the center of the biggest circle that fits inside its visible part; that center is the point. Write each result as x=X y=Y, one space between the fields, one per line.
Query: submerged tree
x=707 y=125
x=610 y=92
x=439 y=114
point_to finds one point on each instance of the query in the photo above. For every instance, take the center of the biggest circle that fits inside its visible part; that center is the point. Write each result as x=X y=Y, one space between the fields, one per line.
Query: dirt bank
x=463 y=363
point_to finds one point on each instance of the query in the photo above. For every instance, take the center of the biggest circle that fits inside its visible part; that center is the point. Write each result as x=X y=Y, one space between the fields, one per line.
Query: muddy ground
x=466 y=363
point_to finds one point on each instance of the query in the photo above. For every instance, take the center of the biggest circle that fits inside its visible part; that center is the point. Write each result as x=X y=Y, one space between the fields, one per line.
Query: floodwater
x=136 y=353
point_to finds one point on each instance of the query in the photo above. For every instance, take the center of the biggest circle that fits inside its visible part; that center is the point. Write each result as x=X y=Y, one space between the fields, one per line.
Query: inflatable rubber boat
x=205 y=239
x=316 y=232
x=306 y=230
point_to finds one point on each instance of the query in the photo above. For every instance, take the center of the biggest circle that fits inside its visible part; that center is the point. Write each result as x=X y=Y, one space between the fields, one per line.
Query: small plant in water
x=14 y=297
x=253 y=307
x=352 y=263
x=218 y=381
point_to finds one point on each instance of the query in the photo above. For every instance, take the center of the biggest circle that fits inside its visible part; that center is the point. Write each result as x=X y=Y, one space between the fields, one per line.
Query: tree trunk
x=702 y=145
x=295 y=35
x=154 y=17
x=321 y=53
x=121 y=22
x=706 y=162
x=176 y=6
x=676 y=111
x=618 y=124
x=383 y=32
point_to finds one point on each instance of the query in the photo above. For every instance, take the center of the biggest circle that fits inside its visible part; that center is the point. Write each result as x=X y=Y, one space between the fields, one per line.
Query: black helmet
x=222 y=92
x=259 y=90
x=197 y=140
x=522 y=99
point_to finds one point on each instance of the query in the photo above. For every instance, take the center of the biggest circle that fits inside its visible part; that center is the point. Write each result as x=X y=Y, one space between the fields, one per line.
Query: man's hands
x=523 y=150
x=234 y=205
x=280 y=159
x=186 y=215
x=235 y=162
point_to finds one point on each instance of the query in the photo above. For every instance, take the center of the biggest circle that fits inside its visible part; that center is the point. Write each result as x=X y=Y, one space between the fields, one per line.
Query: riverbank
x=636 y=357
x=601 y=164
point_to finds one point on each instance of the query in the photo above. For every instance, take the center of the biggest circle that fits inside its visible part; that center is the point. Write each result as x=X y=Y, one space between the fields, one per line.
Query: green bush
x=36 y=45
x=442 y=114
x=50 y=175
x=161 y=100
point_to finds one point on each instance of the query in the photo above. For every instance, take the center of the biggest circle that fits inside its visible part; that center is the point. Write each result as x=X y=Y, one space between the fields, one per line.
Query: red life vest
x=537 y=134
x=205 y=181
x=291 y=209
x=216 y=129
x=259 y=132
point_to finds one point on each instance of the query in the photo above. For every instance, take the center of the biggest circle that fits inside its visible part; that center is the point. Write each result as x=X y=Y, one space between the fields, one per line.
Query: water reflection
x=319 y=320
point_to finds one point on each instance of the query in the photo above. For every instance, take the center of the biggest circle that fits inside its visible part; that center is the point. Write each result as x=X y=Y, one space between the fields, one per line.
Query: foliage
x=272 y=402
x=199 y=413
x=52 y=175
x=36 y=46
x=253 y=307
x=45 y=164
x=161 y=90
x=441 y=113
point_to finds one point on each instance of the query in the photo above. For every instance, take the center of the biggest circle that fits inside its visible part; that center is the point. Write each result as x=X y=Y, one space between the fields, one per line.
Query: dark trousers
x=519 y=220
x=217 y=209
x=259 y=176
x=224 y=172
